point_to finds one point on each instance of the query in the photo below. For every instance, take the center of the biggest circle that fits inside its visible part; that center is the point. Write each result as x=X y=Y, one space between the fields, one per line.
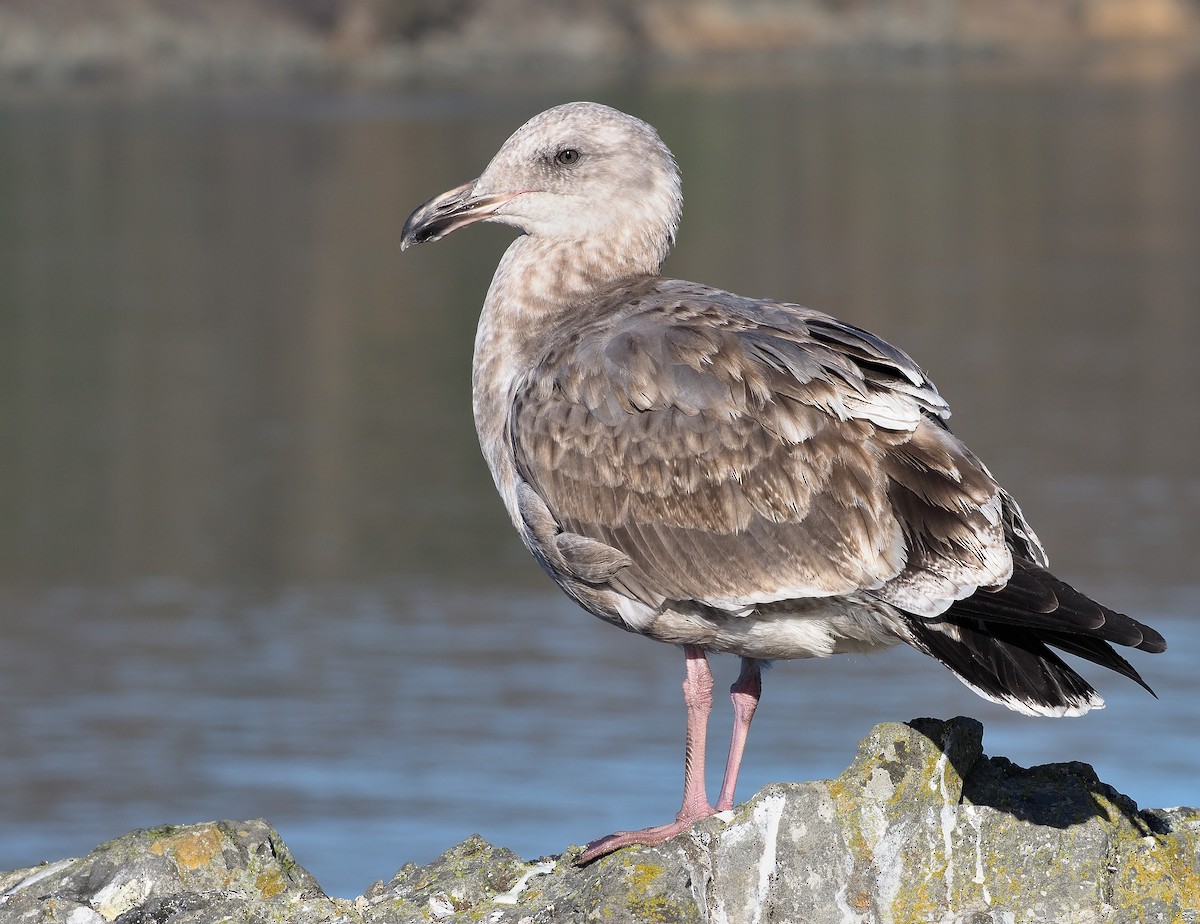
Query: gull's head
x=581 y=173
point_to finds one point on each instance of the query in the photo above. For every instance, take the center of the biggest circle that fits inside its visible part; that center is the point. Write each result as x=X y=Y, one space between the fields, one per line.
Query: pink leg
x=697 y=696
x=745 y=693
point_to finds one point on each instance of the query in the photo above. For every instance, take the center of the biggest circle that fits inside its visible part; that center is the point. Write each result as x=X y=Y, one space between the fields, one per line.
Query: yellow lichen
x=916 y=903
x=1159 y=868
x=270 y=884
x=643 y=874
x=647 y=905
x=191 y=849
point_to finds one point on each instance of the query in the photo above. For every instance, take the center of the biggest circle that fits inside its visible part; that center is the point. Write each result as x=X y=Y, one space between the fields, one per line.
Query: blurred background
x=251 y=563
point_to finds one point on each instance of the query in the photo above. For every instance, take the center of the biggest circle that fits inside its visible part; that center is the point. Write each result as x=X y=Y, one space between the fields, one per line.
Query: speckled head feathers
x=580 y=174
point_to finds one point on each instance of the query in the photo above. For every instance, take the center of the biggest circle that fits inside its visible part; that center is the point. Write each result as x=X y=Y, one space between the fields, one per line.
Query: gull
x=738 y=475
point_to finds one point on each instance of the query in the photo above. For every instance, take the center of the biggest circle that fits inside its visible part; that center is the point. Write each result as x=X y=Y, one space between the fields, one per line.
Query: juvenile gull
x=735 y=475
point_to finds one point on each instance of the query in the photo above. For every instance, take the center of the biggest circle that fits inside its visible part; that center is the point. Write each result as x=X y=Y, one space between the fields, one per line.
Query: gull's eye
x=567 y=156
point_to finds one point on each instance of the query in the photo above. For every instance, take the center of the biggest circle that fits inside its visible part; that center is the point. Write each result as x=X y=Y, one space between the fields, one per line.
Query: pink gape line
x=697 y=696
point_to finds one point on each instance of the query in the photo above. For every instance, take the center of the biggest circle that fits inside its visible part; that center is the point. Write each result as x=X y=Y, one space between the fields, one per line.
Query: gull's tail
x=998 y=642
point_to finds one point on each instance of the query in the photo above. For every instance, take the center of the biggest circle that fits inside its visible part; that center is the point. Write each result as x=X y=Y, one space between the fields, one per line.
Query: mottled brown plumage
x=731 y=474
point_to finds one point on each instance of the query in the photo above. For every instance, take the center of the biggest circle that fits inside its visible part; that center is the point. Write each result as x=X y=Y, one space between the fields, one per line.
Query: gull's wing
x=735 y=452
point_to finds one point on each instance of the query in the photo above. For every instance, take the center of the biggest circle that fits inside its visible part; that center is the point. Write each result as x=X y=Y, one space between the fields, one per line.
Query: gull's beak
x=449 y=212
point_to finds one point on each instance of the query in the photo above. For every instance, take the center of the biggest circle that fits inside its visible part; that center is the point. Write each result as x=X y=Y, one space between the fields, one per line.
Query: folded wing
x=740 y=452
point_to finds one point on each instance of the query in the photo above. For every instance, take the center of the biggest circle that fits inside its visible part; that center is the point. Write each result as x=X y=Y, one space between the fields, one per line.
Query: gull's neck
x=538 y=285
x=541 y=279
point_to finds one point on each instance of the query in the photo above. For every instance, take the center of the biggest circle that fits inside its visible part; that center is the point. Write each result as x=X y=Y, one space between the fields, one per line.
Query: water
x=252 y=565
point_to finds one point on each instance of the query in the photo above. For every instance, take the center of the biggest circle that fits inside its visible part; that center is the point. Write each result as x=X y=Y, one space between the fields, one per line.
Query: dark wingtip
x=1012 y=625
x=1152 y=641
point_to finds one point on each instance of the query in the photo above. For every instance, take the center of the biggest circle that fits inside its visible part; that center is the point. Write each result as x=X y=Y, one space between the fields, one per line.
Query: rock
x=219 y=870
x=921 y=827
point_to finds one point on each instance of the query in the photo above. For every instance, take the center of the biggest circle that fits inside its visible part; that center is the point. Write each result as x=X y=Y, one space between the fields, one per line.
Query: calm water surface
x=251 y=563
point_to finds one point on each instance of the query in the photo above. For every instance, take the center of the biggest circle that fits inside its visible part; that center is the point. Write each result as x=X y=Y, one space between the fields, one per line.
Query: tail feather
x=996 y=641
x=1098 y=652
x=1035 y=598
x=1005 y=664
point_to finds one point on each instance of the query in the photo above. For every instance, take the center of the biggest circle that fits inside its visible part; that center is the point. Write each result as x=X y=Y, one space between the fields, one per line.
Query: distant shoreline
x=384 y=42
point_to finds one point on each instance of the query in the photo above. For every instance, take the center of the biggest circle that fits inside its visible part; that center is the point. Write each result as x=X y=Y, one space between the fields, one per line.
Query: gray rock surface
x=921 y=827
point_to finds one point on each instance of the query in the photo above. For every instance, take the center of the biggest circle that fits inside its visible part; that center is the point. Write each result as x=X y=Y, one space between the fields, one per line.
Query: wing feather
x=738 y=452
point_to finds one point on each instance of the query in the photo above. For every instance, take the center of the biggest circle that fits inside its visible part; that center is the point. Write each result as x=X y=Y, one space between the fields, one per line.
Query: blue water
x=374 y=725
x=252 y=564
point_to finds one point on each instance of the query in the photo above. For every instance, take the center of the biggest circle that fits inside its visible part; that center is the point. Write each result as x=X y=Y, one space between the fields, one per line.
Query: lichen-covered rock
x=921 y=827
x=465 y=880
x=222 y=870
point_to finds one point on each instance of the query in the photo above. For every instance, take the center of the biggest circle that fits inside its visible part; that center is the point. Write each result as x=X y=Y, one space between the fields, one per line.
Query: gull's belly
x=813 y=628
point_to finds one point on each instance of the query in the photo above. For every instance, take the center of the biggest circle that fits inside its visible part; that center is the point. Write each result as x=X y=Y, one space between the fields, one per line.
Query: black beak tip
x=436 y=218
x=410 y=237
x=417 y=232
